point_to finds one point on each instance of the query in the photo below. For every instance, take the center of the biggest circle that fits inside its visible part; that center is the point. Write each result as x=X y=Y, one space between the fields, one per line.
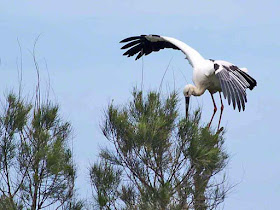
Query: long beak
x=187 y=100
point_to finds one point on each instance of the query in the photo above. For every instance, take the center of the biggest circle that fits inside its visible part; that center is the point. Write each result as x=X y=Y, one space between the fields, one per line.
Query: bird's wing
x=234 y=83
x=145 y=44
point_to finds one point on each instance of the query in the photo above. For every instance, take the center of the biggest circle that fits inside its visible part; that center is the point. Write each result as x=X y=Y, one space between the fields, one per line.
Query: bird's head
x=189 y=90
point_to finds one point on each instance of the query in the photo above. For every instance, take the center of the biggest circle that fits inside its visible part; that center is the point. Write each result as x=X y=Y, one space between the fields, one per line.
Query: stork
x=208 y=74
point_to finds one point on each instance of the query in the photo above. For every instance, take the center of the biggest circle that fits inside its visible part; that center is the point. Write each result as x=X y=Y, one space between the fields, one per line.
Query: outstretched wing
x=145 y=44
x=234 y=83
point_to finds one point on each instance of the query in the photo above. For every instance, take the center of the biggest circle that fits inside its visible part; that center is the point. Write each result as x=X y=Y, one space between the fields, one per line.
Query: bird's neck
x=192 y=55
x=198 y=91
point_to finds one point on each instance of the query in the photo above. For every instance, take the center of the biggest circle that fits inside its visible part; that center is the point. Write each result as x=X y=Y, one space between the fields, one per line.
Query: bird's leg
x=214 y=112
x=222 y=108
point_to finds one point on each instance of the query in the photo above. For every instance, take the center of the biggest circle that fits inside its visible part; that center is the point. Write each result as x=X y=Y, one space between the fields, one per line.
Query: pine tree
x=158 y=159
x=37 y=170
x=36 y=166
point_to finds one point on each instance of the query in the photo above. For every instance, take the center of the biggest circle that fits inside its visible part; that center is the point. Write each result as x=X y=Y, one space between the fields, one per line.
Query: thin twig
x=142 y=74
x=160 y=86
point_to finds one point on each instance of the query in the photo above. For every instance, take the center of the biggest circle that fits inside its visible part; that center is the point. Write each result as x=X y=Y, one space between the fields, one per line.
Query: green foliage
x=105 y=180
x=35 y=162
x=158 y=160
x=8 y=204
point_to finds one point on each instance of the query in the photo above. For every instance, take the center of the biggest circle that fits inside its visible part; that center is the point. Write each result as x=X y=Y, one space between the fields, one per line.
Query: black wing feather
x=139 y=54
x=223 y=78
x=225 y=88
x=143 y=46
x=252 y=82
x=131 y=38
x=132 y=51
x=241 y=89
x=240 y=92
x=130 y=44
x=233 y=96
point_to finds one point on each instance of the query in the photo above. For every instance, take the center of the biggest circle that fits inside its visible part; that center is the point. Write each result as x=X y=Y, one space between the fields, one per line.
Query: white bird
x=212 y=75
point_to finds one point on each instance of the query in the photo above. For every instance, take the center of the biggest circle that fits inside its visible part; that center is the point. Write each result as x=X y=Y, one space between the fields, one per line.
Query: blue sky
x=79 y=43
